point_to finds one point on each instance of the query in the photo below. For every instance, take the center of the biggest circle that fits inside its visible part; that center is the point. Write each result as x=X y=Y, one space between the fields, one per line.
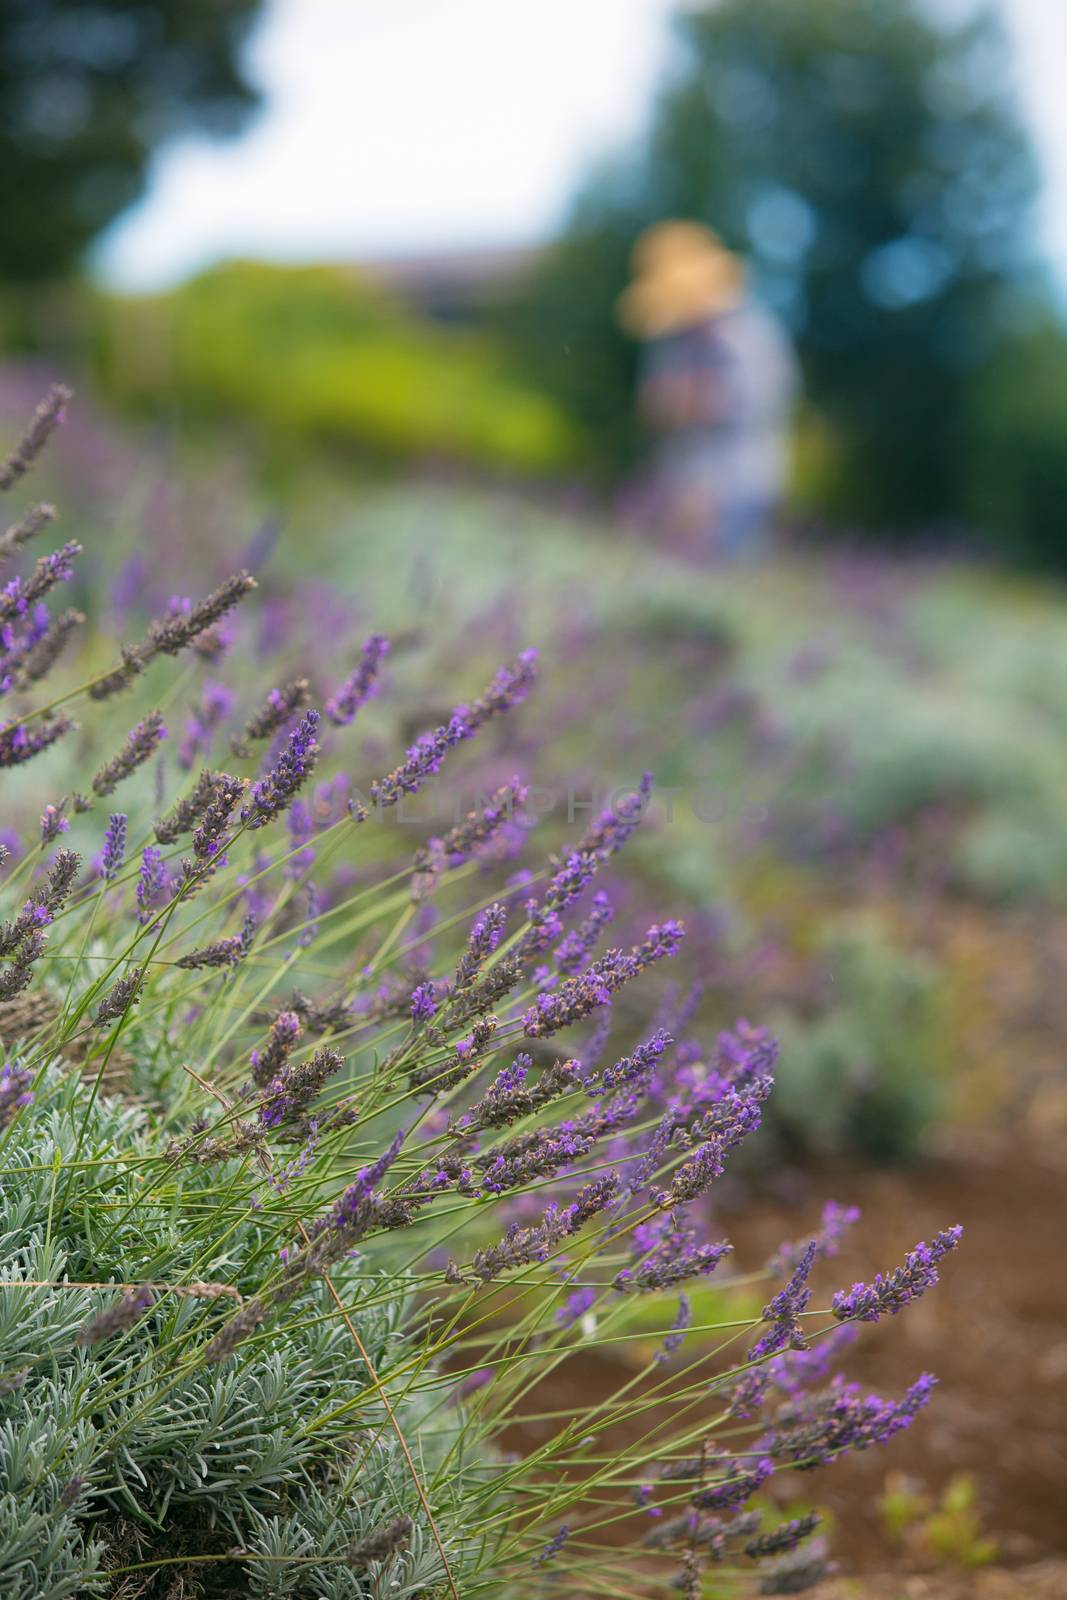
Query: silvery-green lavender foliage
x=305 y=1200
x=286 y=1455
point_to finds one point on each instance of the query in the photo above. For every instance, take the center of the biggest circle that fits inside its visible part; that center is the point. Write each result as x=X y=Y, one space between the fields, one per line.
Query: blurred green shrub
x=316 y=356
x=863 y=1074
x=948 y=1530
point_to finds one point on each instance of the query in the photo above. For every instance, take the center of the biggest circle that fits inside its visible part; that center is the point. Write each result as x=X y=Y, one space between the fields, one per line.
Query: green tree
x=88 y=91
x=867 y=159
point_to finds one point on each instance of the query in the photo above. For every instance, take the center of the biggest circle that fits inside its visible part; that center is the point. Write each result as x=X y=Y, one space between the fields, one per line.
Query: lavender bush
x=308 y=1197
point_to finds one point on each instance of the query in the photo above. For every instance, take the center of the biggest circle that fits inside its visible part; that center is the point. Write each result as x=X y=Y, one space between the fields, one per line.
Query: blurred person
x=717 y=383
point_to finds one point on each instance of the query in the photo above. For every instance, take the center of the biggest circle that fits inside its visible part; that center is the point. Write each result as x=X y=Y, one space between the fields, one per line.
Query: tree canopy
x=89 y=90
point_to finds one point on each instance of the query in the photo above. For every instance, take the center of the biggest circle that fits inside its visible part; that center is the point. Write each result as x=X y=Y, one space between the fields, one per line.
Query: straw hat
x=682 y=275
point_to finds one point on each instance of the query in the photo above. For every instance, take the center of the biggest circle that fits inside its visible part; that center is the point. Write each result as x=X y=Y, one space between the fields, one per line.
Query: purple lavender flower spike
x=554 y=1546
x=423 y=1003
x=53 y=823
x=819 y=1428
x=17 y=596
x=738 y=1484
x=891 y=1293
x=522 y=1246
x=508 y=689
x=273 y=793
x=423 y=759
x=784 y=1311
x=285 y=1032
x=141 y=744
x=682 y=1322
x=47 y=416
x=613 y=827
x=578 y=997
x=120 y=1316
x=634 y=1071
x=573 y=949
x=15 y=1091
x=576 y=1306
x=153 y=884
x=114 y=846
x=214 y=706
x=836 y=1221
x=274 y=715
x=20 y=742
x=357 y=689
x=785 y=1537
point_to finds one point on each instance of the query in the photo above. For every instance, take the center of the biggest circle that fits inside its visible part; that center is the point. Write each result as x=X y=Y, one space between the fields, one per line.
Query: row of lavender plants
x=312 y=1201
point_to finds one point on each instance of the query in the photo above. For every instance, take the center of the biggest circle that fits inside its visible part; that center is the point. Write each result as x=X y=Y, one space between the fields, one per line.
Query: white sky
x=404 y=125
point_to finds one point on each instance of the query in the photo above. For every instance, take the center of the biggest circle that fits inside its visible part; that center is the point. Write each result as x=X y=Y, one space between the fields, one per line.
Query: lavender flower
x=171 y=634
x=535 y=1155
x=114 y=846
x=25 y=529
x=224 y=952
x=291 y=1091
x=423 y=1003
x=44 y=647
x=284 y=1034
x=820 y=1428
x=836 y=1221
x=17 y=596
x=890 y=1294
x=280 y=706
x=786 y=1536
x=676 y=1338
x=119 y=1317
x=554 y=1546
x=578 y=997
x=220 y=797
x=613 y=827
x=53 y=822
x=358 y=688
x=274 y=792
x=738 y=1484
x=674 y=1260
x=575 y=1307
x=634 y=1071
x=476 y=831
x=508 y=689
x=797 y=1572
x=784 y=1311
x=486 y=933
x=214 y=706
x=45 y=420
x=153 y=884
x=141 y=744
x=521 y=1246
x=423 y=759
x=19 y=973
x=124 y=994
x=20 y=743
x=185 y=815
x=15 y=1091
x=575 y=946
x=357 y=1210
x=510 y=1096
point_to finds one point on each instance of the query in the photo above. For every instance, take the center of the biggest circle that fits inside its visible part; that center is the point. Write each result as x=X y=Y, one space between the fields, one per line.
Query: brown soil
x=994 y=1332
